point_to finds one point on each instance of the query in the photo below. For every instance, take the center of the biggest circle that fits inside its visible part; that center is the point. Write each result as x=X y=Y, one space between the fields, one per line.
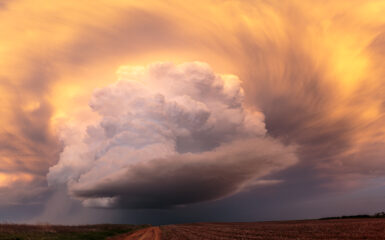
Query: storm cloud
x=168 y=135
x=312 y=74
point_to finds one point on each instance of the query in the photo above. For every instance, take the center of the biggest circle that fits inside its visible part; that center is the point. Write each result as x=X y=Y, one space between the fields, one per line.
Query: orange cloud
x=315 y=69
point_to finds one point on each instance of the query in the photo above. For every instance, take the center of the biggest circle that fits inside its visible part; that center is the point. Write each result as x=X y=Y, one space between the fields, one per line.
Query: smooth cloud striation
x=168 y=135
x=315 y=69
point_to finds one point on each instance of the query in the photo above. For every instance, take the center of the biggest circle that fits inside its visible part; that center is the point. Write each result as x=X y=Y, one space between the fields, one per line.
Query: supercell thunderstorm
x=168 y=135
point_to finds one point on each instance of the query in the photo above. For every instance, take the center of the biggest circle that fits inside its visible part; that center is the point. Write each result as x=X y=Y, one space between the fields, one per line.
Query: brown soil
x=340 y=229
x=151 y=233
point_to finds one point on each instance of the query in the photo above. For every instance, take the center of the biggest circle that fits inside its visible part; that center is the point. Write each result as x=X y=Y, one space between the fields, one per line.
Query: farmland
x=307 y=229
x=52 y=232
x=358 y=228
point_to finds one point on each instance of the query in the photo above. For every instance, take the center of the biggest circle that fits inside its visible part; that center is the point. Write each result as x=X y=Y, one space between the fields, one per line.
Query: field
x=310 y=229
x=341 y=229
x=51 y=232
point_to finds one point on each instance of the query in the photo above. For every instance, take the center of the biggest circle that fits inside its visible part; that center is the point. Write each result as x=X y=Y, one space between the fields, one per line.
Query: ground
x=151 y=233
x=341 y=229
x=331 y=229
x=52 y=232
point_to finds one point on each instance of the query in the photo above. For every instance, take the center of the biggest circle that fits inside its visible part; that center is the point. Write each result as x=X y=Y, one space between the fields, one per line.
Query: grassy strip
x=52 y=232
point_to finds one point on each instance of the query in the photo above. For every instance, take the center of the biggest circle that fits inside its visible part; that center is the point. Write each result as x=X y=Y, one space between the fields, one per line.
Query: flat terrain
x=151 y=233
x=310 y=229
x=52 y=232
x=367 y=228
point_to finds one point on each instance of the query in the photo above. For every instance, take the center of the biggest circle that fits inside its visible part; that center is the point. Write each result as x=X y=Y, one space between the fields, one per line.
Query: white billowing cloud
x=168 y=135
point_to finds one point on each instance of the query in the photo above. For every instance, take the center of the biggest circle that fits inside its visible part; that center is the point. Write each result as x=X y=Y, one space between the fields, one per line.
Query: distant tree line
x=377 y=215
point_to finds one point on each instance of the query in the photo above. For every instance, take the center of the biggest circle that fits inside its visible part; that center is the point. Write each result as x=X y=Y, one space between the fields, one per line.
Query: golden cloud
x=314 y=68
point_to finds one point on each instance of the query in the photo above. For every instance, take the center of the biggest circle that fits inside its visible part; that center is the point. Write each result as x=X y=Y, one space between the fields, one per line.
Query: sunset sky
x=176 y=111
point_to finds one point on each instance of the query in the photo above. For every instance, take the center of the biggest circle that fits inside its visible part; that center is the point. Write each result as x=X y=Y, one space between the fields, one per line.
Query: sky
x=171 y=111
